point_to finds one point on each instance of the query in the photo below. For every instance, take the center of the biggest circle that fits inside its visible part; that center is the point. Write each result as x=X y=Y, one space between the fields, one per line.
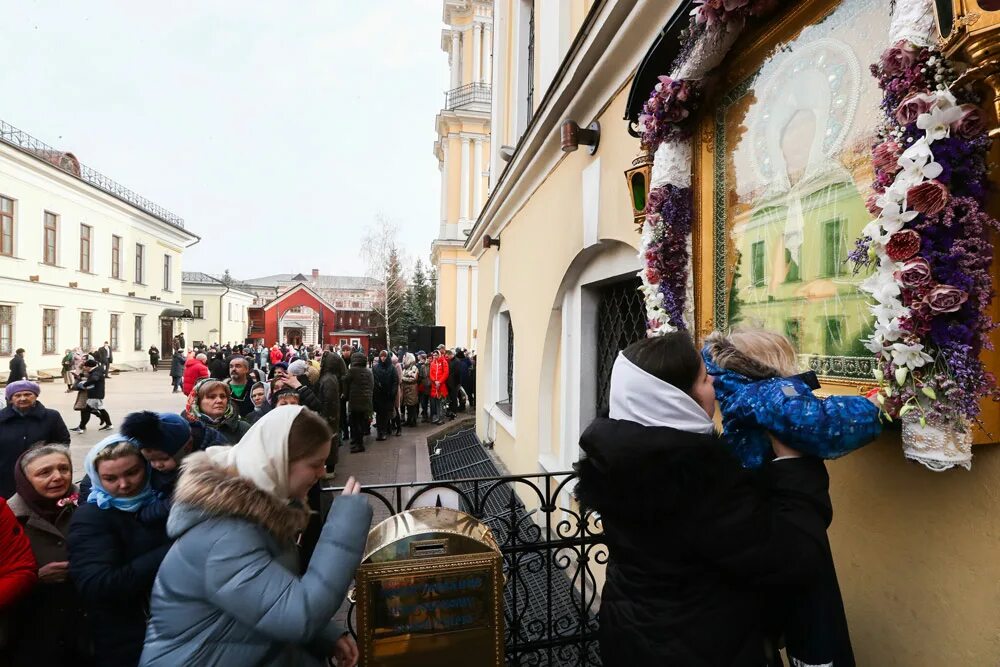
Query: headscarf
x=262 y=454
x=297 y=367
x=639 y=397
x=99 y=495
x=47 y=508
x=193 y=410
x=266 y=386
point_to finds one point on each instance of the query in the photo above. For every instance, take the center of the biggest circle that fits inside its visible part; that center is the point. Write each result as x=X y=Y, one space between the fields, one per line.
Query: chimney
x=315 y=274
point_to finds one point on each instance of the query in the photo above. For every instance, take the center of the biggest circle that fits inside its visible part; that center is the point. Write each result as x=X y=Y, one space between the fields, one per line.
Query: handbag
x=81 y=401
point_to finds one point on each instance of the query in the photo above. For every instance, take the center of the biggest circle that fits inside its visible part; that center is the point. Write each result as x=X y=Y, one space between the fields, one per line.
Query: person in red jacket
x=195 y=369
x=439 y=390
x=276 y=354
x=18 y=570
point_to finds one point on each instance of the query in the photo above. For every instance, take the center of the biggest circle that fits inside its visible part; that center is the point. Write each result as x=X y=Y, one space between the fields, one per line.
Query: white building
x=219 y=311
x=83 y=260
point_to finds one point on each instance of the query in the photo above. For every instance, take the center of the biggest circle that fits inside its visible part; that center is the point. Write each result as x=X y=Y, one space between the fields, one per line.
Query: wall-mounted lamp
x=638 y=187
x=573 y=136
x=489 y=241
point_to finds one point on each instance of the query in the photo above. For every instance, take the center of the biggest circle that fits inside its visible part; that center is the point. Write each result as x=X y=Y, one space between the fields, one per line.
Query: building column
x=444 y=186
x=465 y=182
x=477 y=174
x=462 y=306
x=477 y=42
x=456 y=59
x=487 y=55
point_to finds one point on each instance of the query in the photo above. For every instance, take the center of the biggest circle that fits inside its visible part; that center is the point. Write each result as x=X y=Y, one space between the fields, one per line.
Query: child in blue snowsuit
x=762 y=396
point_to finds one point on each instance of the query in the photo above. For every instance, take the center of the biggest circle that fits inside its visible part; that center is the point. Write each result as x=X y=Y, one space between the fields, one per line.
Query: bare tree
x=384 y=264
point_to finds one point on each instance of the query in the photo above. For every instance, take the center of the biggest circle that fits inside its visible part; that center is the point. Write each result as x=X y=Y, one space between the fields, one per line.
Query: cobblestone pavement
x=124 y=393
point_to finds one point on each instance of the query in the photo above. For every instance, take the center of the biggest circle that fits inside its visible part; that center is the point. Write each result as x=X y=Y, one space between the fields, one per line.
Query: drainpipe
x=220 y=313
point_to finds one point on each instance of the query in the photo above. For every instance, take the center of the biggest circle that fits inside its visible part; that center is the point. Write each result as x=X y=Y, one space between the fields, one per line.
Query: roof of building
x=300 y=287
x=198 y=277
x=321 y=281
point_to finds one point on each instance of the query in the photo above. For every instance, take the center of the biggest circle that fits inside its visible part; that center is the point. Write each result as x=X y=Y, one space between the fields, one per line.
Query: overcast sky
x=277 y=130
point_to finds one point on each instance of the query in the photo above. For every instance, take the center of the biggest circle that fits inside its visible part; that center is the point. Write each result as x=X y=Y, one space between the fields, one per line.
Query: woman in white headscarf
x=229 y=591
x=695 y=544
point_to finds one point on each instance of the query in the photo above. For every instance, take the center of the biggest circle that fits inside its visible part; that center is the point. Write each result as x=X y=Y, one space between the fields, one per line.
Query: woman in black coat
x=113 y=554
x=177 y=369
x=696 y=545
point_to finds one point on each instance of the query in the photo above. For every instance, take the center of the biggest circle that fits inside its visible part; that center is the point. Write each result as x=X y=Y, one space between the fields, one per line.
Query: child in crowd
x=762 y=394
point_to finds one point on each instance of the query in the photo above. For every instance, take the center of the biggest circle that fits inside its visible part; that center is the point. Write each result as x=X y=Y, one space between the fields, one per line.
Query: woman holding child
x=712 y=561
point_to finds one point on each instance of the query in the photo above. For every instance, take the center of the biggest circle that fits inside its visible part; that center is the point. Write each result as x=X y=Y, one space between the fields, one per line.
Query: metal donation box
x=430 y=592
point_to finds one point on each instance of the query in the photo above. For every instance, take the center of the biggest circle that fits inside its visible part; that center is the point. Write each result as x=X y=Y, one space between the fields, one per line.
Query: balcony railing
x=27 y=143
x=467 y=95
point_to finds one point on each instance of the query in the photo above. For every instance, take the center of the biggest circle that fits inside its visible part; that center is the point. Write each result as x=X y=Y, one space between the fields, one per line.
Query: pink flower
x=72 y=499
x=971 y=124
x=945 y=299
x=903 y=245
x=885 y=156
x=915 y=273
x=899 y=57
x=929 y=197
x=872 y=205
x=910 y=108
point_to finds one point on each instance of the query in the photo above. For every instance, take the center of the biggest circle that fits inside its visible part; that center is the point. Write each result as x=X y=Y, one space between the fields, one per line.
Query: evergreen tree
x=422 y=304
x=227 y=278
x=431 y=299
x=396 y=326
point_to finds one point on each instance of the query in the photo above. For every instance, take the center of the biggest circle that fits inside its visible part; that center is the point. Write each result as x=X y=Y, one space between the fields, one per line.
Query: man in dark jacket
x=24 y=422
x=360 y=385
x=218 y=367
x=331 y=370
x=94 y=386
x=454 y=383
x=18 y=369
x=239 y=384
x=177 y=370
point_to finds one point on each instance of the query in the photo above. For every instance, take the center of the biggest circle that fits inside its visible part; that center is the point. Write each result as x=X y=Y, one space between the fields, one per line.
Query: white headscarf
x=639 y=397
x=261 y=455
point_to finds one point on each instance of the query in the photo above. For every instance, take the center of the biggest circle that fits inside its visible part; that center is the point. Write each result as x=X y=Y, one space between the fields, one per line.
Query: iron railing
x=470 y=93
x=24 y=141
x=549 y=546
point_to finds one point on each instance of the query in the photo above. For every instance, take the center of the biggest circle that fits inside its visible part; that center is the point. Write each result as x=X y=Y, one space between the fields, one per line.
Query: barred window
x=138 y=333
x=113 y=338
x=86 y=321
x=6 y=330
x=49 y=331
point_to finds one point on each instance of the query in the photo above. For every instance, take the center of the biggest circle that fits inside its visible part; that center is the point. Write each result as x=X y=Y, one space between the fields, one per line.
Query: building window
x=621 y=321
x=792 y=274
x=85 y=235
x=833 y=335
x=140 y=256
x=51 y=238
x=116 y=257
x=138 y=333
x=49 y=331
x=834 y=247
x=6 y=226
x=757 y=263
x=199 y=310
x=166 y=273
x=505 y=352
x=86 y=320
x=6 y=330
x=113 y=339
x=793 y=332
x=229 y=312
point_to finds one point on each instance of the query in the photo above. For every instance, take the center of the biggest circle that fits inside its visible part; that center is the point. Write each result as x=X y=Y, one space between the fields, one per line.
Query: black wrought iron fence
x=551 y=551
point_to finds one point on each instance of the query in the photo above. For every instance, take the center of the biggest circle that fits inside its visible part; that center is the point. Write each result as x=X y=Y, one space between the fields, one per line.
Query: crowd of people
x=194 y=538
x=176 y=547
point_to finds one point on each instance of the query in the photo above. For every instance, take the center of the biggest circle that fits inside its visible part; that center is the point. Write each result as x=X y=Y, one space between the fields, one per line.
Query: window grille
x=86 y=320
x=6 y=330
x=621 y=321
x=49 y=331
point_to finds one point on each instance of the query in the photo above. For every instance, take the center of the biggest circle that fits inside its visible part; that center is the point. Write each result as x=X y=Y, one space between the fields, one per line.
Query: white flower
x=916 y=170
x=894 y=217
x=937 y=122
x=888 y=311
x=892 y=331
x=911 y=356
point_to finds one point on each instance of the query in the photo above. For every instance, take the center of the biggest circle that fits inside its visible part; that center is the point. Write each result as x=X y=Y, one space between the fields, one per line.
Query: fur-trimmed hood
x=725 y=355
x=207 y=490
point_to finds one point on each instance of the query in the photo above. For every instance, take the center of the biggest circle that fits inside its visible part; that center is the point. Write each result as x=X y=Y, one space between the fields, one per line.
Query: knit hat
x=297 y=367
x=21 y=385
x=166 y=432
x=282 y=365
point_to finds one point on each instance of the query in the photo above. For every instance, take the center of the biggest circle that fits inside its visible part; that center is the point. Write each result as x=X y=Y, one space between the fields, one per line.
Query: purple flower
x=945 y=298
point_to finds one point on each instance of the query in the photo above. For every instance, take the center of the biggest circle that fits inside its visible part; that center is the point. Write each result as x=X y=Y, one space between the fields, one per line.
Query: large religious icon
x=791 y=175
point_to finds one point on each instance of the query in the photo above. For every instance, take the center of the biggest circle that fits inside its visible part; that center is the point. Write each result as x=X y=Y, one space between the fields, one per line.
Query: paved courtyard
x=124 y=393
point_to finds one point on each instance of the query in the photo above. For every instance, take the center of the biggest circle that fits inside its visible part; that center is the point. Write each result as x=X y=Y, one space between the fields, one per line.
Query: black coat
x=113 y=559
x=94 y=384
x=18 y=369
x=360 y=385
x=177 y=364
x=19 y=432
x=454 y=380
x=332 y=369
x=218 y=367
x=696 y=544
x=386 y=384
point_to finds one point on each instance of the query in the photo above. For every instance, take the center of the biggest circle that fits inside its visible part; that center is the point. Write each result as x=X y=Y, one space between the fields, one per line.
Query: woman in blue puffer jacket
x=229 y=591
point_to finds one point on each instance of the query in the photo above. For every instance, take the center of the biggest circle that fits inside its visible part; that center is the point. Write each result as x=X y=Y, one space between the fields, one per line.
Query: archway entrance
x=299 y=325
x=299 y=317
